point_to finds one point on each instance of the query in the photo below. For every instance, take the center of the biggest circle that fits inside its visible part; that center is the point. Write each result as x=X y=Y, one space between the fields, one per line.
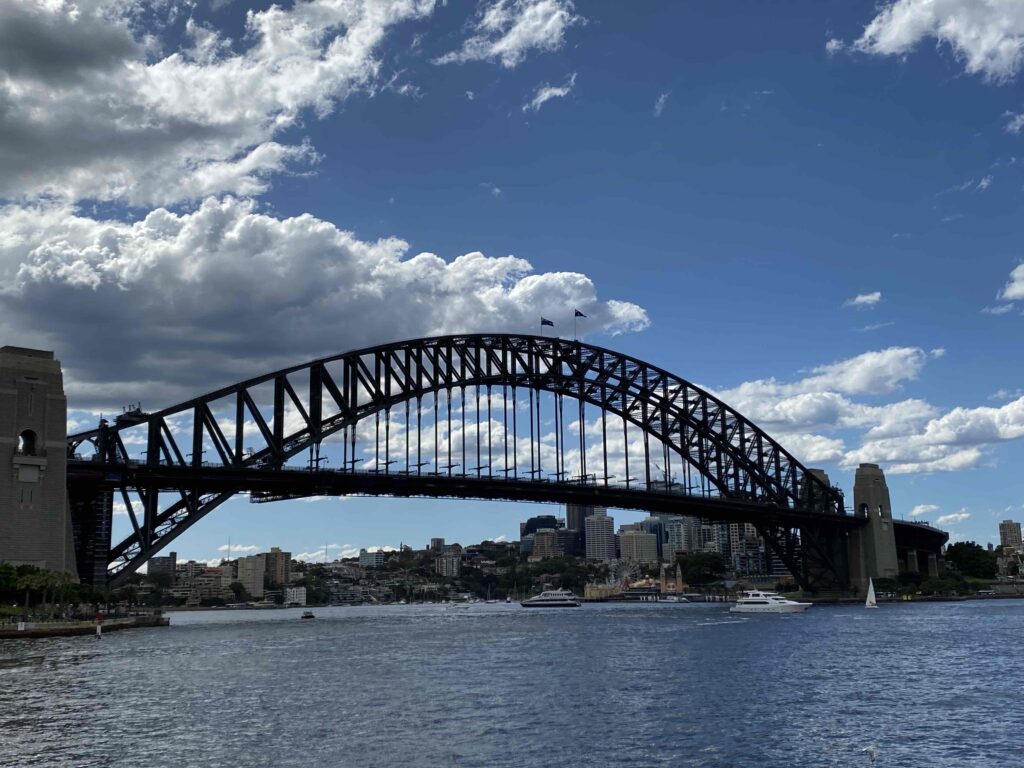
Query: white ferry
x=552 y=598
x=756 y=601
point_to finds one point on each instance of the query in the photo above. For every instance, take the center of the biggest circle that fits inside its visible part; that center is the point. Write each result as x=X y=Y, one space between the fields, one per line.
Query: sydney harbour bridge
x=489 y=416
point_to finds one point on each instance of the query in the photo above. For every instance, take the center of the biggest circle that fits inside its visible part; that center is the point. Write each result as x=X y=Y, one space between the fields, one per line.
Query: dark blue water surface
x=647 y=685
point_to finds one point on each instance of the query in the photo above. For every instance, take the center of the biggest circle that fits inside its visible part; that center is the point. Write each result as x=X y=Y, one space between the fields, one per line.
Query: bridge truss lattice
x=483 y=416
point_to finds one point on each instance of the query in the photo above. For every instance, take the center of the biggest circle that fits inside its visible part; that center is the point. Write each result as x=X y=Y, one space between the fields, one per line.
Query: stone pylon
x=873 y=547
x=35 y=522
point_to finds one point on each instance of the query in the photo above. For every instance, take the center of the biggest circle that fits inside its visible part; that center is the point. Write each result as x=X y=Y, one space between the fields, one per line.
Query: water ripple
x=652 y=685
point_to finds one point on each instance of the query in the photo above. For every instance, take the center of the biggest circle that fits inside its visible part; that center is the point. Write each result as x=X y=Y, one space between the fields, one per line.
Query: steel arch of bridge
x=741 y=473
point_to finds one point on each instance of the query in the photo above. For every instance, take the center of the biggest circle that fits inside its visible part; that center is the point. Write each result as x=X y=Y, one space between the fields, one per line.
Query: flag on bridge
x=578 y=313
x=544 y=321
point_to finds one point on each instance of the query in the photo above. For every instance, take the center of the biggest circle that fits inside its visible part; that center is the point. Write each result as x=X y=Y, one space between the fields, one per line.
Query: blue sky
x=715 y=183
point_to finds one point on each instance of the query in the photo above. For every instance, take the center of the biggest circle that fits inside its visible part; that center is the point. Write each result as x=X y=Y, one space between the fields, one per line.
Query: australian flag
x=544 y=321
x=578 y=313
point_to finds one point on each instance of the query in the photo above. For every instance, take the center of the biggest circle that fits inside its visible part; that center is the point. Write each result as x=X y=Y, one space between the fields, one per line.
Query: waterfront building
x=163 y=565
x=711 y=538
x=436 y=544
x=229 y=571
x=369 y=559
x=546 y=544
x=600 y=536
x=566 y=541
x=186 y=572
x=655 y=525
x=575 y=517
x=448 y=566
x=534 y=524
x=639 y=547
x=678 y=536
x=210 y=585
x=250 y=573
x=571 y=542
x=746 y=553
x=681 y=535
x=278 y=567
x=1009 y=535
x=295 y=596
x=346 y=594
x=601 y=591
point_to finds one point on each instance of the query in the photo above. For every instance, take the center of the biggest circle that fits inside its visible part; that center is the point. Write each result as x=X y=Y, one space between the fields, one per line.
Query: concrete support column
x=912 y=561
x=933 y=565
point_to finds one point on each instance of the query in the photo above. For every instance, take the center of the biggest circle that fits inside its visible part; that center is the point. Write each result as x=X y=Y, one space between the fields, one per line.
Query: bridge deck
x=274 y=483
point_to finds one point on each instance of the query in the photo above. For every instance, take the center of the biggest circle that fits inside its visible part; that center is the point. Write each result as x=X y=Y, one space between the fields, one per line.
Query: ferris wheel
x=622 y=571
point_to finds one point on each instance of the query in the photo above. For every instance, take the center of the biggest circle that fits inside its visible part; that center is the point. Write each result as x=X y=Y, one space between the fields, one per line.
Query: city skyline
x=763 y=201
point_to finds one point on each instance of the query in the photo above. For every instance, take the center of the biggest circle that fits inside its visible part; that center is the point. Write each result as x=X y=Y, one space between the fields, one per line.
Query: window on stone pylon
x=27 y=443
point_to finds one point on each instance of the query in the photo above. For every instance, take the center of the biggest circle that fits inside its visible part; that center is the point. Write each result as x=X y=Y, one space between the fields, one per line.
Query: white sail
x=870 y=602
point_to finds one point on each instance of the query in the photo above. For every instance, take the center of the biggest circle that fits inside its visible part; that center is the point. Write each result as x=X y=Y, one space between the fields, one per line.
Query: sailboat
x=870 y=602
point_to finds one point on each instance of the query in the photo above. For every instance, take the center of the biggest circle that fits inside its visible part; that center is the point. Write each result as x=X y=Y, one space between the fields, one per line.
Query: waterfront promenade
x=43 y=629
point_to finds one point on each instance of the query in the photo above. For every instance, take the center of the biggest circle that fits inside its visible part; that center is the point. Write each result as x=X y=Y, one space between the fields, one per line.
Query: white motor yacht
x=757 y=601
x=552 y=598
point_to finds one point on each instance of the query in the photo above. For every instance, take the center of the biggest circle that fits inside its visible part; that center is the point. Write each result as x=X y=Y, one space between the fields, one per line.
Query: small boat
x=757 y=601
x=308 y=615
x=674 y=599
x=508 y=599
x=552 y=598
x=870 y=602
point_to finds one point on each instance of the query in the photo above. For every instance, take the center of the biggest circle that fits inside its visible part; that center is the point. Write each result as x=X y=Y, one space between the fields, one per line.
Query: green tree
x=700 y=568
x=241 y=593
x=971 y=559
x=28 y=583
x=950 y=584
x=128 y=593
x=884 y=585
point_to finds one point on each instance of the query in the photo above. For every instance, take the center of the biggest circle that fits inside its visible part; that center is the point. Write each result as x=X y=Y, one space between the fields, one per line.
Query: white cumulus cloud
x=508 y=30
x=950 y=442
x=186 y=301
x=546 y=92
x=987 y=36
x=923 y=509
x=1014 y=288
x=825 y=401
x=88 y=110
x=864 y=300
x=659 y=104
x=955 y=517
x=239 y=549
x=999 y=309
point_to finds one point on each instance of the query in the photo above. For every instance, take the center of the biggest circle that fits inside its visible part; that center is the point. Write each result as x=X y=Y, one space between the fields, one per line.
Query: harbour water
x=494 y=685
